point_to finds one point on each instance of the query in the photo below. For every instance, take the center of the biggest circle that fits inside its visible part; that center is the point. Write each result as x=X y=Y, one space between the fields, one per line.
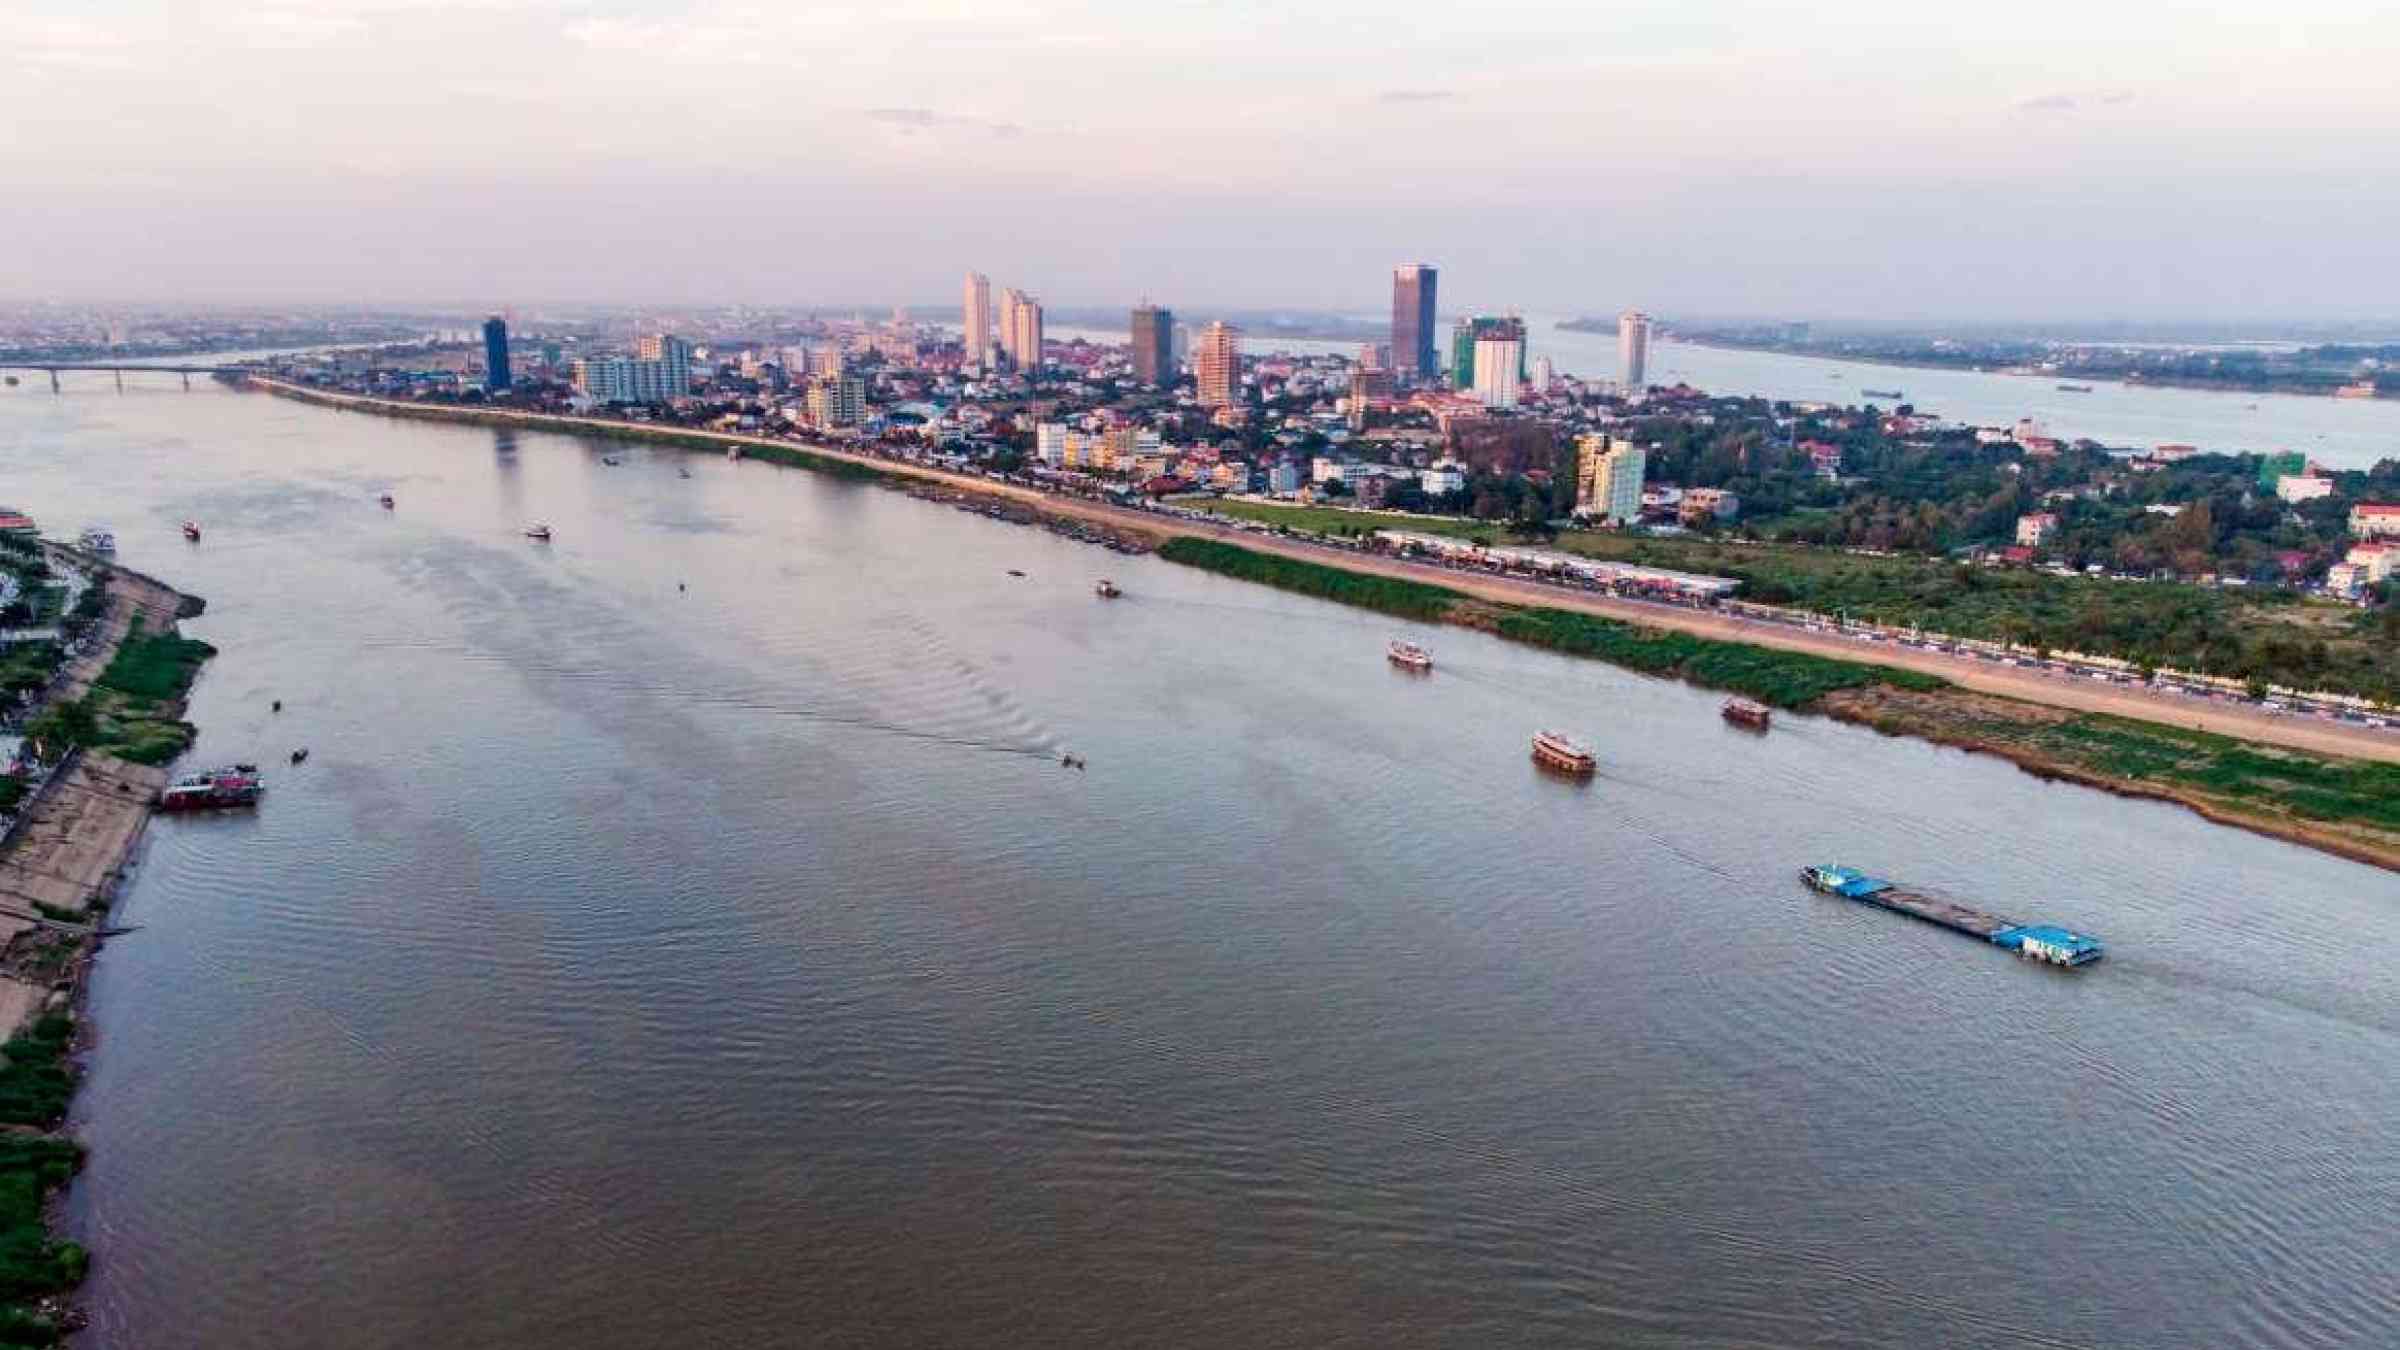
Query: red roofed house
x=13 y=521
x=2375 y=520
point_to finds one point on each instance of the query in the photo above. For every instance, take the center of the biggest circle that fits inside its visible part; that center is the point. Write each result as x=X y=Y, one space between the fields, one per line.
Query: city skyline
x=1877 y=163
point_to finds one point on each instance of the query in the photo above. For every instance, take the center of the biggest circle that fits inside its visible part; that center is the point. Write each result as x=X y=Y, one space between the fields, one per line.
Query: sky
x=1886 y=160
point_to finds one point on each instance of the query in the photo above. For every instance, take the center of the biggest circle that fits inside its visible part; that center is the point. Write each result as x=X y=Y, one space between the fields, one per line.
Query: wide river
x=684 y=933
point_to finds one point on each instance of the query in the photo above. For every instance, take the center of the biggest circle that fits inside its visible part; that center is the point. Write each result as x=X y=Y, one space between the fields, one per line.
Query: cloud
x=1415 y=95
x=926 y=119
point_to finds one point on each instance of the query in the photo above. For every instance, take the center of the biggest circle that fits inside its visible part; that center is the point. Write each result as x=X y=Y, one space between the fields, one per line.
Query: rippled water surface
x=735 y=965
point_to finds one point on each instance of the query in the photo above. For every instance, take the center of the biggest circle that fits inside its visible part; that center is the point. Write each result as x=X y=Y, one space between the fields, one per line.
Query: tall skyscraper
x=495 y=354
x=1608 y=478
x=1413 y=356
x=1154 y=345
x=1633 y=350
x=1217 y=364
x=1496 y=365
x=1021 y=330
x=975 y=321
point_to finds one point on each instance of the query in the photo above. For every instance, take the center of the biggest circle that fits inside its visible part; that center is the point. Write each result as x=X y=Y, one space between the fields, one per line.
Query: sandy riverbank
x=2249 y=724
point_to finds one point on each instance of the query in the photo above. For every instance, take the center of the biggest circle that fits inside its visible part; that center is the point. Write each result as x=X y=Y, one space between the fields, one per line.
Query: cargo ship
x=2039 y=942
x=214 y=789
x=1408 y=655
x=1557 y=750
x=2074 y=389
x=1743 y=712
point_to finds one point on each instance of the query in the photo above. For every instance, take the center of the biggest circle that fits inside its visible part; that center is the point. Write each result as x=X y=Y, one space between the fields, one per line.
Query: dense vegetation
x=35 y=1082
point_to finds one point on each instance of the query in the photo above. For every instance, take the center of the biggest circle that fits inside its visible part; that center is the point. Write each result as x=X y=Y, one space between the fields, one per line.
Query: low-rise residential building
x=2035 y=529
x=2301 y=487
x=2375 y=520
x=1715 y=502
x=2375 y=562
x=1442 y=478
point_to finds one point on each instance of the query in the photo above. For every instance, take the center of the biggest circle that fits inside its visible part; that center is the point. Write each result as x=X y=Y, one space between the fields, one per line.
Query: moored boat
x=97 y=539
x=1557 y=750
x=214 y=789
x=1744 y=712
x=1408 y=655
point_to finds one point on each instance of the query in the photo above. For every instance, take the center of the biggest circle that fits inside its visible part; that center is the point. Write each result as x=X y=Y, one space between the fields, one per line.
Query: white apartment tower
x=1633 y=350
x=975 y=321
x=1496 y=364
x=1608 y=479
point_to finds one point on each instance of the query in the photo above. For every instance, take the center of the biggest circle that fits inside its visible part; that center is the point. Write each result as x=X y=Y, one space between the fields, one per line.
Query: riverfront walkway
x=2250 y=724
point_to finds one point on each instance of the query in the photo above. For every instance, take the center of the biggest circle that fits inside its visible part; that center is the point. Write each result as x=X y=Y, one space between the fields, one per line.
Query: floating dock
x=2041 y=942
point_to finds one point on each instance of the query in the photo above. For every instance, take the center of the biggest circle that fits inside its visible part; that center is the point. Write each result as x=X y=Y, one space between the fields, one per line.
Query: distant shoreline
x=2097 y=381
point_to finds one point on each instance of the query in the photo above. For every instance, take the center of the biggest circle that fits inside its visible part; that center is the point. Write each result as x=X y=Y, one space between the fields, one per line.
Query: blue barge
x=2038 y=941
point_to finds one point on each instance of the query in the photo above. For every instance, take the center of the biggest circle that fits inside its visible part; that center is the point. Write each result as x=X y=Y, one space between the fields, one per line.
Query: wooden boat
x=1557 y=750
x=1408 y=655
x=1744 y=712
x=540 y=532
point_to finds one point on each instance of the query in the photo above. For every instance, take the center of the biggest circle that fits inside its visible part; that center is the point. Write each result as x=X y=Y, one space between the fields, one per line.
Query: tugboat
x=214 y=789
x=1557 y=750
x=1106 y=589
x=1408 y=655
x=191 y=530
x=96 y=540
x=1743 y=712
x=540 y=533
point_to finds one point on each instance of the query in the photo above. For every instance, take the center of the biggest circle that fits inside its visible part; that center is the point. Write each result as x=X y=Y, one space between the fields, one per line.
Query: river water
x=735 y=965
x=2339 y=433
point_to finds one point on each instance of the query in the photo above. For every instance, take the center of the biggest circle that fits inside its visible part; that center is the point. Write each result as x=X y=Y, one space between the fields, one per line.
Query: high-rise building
x=1468 y=332
x=1021 y=330
x=826 y=360
x=495 y=354
x=1217 y=364
x=1544 y=374
x=1154 y=345
x=837 y=400
x=1368 y=385
x=1413 y=356
x=631 y=379
x=671 y=353
x=975 y=321
x=1608 y=479
x=1633 y=350
x=1497 y=361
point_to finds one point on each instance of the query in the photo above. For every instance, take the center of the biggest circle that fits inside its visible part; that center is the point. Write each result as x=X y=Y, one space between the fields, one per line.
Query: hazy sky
x=1871 y=160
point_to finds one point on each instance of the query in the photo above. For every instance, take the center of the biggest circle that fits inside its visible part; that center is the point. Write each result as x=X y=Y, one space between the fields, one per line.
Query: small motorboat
x=1015 y=573
x=278 y=705
x=191 y=530
x=540 y=532
x=386 y=499
x=300 y=756
x=608 y=461
x=683 y=473
x=1106 y=589
x=1408 y=656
